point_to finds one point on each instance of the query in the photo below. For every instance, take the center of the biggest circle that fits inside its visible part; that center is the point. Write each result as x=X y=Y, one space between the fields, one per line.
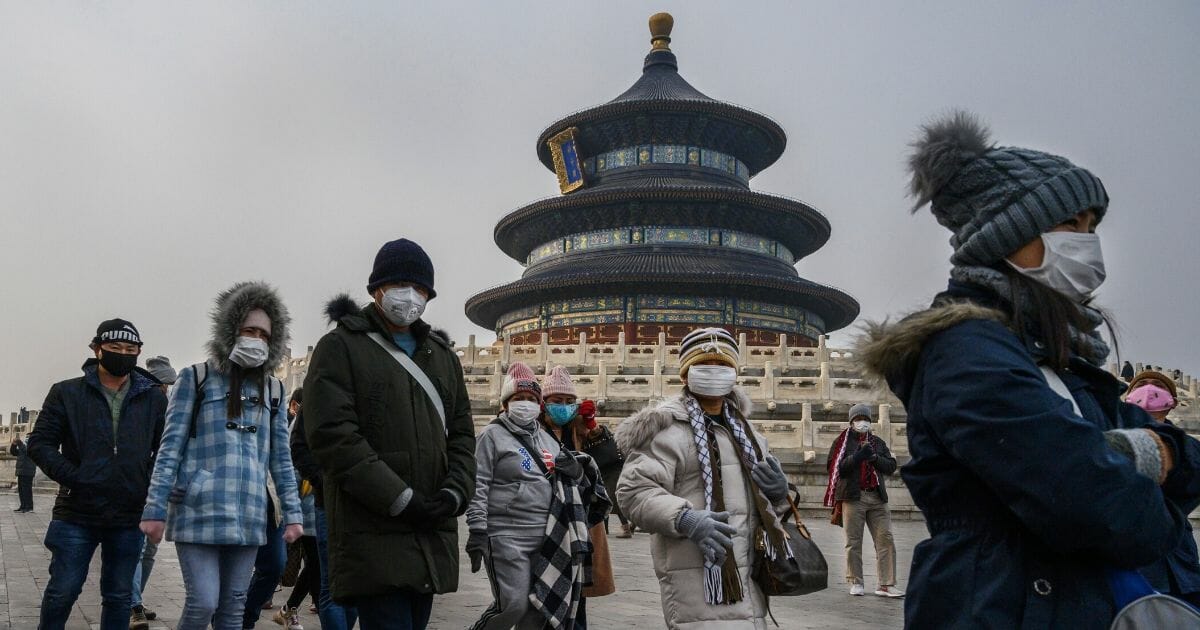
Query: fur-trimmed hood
x=889 y=351
x=230 y=310
x=635 y=432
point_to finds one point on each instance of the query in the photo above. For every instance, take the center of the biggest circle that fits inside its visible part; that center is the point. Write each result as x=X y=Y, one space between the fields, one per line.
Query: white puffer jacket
x=660 y=480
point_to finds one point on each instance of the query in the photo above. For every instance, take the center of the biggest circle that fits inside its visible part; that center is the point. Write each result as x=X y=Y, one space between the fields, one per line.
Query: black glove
x=476 y=547
x=442 y=504
x=566 y=464
x=417 y=513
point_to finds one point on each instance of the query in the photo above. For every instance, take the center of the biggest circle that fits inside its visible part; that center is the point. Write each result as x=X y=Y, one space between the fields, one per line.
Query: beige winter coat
x=660 y=480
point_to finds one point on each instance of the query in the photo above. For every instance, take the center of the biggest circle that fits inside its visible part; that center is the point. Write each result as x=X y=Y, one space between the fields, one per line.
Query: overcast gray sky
x=151 y=154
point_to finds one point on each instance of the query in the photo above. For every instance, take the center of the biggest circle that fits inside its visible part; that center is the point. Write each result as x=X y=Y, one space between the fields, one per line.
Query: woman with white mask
x=520 y=469
x=1041 y=490
x=226 y=431
x=684 y=481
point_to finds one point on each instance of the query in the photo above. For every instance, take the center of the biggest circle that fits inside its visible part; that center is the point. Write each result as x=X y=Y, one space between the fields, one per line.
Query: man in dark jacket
x=862 y=461
x=25 y=471
x=97 y=436
x=389 y=422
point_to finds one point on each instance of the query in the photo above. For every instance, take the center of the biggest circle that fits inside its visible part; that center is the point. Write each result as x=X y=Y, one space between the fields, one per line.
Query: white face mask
x=861 y=426
x=711 y=380
x=1073 y=264
x=249 y=352
x=524 y=412
x=403 y=305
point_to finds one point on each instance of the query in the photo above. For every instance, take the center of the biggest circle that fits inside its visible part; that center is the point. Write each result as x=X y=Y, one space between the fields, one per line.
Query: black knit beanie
x=402 y=260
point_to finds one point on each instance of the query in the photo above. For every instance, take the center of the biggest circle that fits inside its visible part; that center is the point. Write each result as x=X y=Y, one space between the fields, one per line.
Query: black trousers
x=309 y=580
x=25 y=491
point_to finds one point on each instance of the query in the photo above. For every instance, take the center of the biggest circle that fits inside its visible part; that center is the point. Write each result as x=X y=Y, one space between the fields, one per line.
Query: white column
x=583 y=348
x=807 y=427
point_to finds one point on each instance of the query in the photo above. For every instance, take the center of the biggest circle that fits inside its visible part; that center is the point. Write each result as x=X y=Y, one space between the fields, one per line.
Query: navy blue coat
x=103 y=478
x=1179 y=572
x=1026 y=505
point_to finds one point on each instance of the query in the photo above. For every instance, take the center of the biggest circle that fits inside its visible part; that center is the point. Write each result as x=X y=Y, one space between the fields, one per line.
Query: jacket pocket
x=198 y=489
x=505 y=499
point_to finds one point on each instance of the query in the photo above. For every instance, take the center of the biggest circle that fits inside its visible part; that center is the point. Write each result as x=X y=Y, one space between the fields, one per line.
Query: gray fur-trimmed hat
x=995 y=199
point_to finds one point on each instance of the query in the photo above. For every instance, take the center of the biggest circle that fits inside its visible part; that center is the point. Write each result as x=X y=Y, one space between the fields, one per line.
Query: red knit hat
x=519 y=379
x=558 y=382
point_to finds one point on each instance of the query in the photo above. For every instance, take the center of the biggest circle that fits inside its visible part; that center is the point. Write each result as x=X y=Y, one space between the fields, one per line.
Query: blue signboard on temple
x=564 y=150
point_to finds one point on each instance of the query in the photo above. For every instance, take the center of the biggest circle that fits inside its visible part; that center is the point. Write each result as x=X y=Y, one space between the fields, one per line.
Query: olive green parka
x=375 y=433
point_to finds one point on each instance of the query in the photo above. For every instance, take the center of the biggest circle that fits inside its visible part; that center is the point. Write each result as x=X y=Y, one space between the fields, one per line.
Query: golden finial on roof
x=660 y=31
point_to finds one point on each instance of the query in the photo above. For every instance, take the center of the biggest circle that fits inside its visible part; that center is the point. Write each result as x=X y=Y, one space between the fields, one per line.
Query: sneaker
x=137 y=619
x=269 y=605
x=626 y=531
x=150 y=614
x=889 y=591
x=857 y=589
x=289 y=618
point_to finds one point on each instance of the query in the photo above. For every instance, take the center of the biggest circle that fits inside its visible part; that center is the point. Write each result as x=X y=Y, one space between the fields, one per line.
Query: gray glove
x=566 y=464
x=476 y=548
x=711 y=531
x=768 y=474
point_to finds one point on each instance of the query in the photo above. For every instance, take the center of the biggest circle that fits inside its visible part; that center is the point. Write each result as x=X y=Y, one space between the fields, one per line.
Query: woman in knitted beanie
x=1038 y=485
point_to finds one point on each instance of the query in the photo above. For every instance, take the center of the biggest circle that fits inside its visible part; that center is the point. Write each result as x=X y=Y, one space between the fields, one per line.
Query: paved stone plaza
x=635 y=605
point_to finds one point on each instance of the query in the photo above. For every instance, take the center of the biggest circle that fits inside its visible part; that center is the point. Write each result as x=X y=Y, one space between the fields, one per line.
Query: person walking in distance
x=96 y=436
x=25 y=469
x=139 y=616
x=226 y=431
x=858 y=463
x=388 y=419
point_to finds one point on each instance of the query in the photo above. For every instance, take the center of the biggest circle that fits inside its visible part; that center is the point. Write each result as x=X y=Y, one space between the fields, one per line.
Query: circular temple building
x=657 y=229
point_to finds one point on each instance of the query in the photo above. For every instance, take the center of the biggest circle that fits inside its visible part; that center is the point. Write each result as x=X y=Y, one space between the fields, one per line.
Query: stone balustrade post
x=621 y=348
x=742 y=347
x=506 y=350
x=471 y=350
x=544 y=348
x=497 y=380
x=885 y=423
x=583 y=349
x=661 y=350
x=825 y=381
x=784 y=359
x=656 y=382
x=808 y=429
x=601 y=379
x=769 y=380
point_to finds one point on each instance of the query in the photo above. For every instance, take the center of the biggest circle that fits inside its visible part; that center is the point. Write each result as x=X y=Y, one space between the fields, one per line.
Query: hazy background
x=151 y=154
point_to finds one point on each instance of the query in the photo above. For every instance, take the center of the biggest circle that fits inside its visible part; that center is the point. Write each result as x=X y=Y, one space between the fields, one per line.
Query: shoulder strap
x=200 y=371
x=534 y=452
x=416 y=372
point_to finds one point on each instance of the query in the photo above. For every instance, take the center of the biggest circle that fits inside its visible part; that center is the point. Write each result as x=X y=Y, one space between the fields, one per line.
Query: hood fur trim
x=885 y=349
x=340 y=306
x=635 y=432
x=229 y=311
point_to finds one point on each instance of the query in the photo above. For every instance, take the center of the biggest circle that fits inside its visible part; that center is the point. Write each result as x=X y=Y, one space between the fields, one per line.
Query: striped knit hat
x=707 y=344
x=995 y=199
x=519 y=379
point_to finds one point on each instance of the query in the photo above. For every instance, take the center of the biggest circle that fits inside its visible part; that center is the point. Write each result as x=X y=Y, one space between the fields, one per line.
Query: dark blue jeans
x=400 y=610
x=72 y=547
x=268 y=569
x=333 y=616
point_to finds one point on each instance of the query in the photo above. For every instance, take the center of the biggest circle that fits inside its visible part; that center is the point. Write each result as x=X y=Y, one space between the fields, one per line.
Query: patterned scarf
x=1088 y=344
x=722 y=584
x=562 y=566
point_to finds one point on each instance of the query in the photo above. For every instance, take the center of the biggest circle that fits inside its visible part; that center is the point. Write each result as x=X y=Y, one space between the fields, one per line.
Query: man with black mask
x=96 y=436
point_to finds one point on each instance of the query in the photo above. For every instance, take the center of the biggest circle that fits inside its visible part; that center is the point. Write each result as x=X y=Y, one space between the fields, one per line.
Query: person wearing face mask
x=857 y=464
x=684 y=481
x=96 y=436
x=388 y=420
x=521 y=470
x=224 y=452
x=1041 y=490
x=1179 y=572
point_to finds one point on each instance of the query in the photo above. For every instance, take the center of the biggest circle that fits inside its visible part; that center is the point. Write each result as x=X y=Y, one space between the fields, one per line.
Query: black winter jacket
x=25 y=466
x=302 y=459
x=849 y=485
x=103 y=480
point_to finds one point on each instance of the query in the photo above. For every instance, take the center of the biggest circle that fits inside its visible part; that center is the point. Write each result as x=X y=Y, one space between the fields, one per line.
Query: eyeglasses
x=244 y=428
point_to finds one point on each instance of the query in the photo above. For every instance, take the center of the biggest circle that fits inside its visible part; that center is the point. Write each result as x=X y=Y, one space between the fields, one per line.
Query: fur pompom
x=944 y=146
x=341 y=306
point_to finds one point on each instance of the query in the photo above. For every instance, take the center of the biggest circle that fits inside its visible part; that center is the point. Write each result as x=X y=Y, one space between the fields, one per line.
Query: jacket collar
x=139 y=379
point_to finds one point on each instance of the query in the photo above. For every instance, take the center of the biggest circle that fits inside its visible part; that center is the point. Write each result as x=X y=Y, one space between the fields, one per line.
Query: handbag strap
x=760 y=501
x=416 y=372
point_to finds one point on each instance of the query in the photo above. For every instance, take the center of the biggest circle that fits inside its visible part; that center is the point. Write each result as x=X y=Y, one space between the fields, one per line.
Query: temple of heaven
x=657 y=230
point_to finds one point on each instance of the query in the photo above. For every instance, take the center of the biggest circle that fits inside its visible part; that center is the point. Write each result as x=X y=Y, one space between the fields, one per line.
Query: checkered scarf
x=563 y=565
x=716 y=583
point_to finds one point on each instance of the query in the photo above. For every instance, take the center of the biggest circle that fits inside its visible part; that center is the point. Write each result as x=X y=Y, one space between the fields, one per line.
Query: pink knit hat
x=558 y=382
x=519 y=379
